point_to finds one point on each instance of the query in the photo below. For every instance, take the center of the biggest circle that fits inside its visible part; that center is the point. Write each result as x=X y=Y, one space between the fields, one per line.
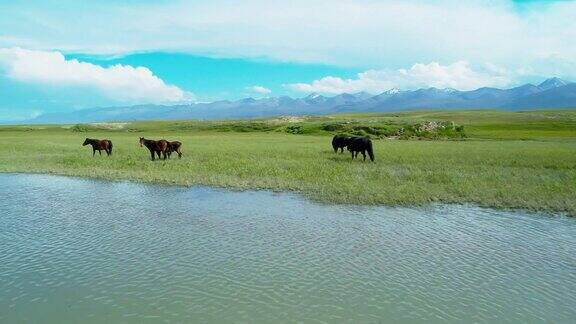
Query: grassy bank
x=507 y=160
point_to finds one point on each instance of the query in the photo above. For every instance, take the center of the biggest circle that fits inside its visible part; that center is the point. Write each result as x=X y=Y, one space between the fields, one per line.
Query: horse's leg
x=152 y=154
x=179 y=153
x=100 y=151
x=364 y=155
x=93 y=152
x=352 y=154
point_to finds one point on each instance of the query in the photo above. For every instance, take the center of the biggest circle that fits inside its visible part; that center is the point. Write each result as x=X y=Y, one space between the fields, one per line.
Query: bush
x=294 y=129
x=360 y=132
x=332 y=127
x=79 y=128
x=242 y=127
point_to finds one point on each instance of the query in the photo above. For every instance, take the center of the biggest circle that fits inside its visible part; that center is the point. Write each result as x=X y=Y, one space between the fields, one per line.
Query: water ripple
x=79 y=250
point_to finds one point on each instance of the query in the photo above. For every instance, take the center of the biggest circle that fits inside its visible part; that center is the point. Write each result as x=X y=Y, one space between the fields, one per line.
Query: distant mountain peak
x=551 y=93
x=314 y=95
x=553 y=83
x=247 y=100
x=392 y=91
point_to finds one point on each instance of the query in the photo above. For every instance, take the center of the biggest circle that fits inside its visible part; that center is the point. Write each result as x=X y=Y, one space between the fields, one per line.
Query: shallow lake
x=74 y=250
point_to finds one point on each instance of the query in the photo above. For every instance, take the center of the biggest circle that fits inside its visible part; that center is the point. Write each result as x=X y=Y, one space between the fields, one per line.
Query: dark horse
x=340 y=142
x=99 y=145
x=160 y=146
x=174 y=147
x=361 y=145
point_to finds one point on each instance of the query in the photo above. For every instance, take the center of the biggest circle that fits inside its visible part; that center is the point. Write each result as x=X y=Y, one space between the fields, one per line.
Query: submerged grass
x=501 y=163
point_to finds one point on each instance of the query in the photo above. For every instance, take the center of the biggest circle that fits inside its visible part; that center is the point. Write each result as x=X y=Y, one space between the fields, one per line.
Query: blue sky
x=223 y=78
x=66 y=55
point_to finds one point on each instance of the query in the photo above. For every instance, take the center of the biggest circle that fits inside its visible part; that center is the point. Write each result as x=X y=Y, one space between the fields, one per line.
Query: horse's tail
x=110 y=148
x=370 y=151
x=179 y=151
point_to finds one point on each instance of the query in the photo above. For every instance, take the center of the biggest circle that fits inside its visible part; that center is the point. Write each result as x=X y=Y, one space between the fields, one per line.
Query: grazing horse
x=160 y=146
x=362 y=145
x=174 y=147
x=99 y=145
x=340 y=142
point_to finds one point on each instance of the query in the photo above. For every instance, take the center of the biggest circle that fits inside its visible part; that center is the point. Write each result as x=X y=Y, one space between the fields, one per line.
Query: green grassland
x=490 y=158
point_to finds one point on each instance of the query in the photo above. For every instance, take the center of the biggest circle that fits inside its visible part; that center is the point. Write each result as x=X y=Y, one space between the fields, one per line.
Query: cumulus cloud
x=259 y=90
x=122 y=83
x=458 y=75
x=368 y=33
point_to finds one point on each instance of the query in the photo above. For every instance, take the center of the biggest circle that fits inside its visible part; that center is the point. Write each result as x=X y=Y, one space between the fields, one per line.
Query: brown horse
x=174 y=147
x=99 y=145
x=160 y=146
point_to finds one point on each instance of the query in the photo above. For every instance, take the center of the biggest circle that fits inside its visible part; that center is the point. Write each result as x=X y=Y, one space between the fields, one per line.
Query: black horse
x=99 y=145
x=361 y=145
x=160 y=146
x=174 y=147
x=340 y=142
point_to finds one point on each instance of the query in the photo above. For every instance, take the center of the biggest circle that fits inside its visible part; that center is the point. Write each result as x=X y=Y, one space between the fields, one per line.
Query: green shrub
x=294 y=129
x=360 y=132
x=332 y=127
x=79 y=128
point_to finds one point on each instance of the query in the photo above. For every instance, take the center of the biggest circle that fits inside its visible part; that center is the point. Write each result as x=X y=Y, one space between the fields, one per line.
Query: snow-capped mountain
x=552 y=83
x=552 y=93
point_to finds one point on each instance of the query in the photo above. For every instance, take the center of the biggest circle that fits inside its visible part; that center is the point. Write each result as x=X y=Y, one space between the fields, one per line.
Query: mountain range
x=553 y=93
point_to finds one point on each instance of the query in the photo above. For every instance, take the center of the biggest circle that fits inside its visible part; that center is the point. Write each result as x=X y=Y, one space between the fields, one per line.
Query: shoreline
x=302 y=195
x=516 y=160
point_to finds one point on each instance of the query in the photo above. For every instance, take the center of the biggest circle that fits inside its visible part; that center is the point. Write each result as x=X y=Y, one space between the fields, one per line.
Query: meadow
x=489 y=158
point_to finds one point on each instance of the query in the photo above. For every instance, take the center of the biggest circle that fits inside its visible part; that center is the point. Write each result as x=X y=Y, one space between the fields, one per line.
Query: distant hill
x=552 y=93
x=559 y=97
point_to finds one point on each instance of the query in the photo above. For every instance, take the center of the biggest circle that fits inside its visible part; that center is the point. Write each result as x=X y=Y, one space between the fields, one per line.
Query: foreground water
x=75 y=250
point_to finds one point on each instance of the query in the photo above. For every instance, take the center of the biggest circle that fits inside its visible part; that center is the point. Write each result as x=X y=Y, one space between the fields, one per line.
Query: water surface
x=74 y=250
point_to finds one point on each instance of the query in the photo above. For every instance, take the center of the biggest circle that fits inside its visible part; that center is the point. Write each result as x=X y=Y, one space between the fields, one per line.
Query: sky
x=67 y=55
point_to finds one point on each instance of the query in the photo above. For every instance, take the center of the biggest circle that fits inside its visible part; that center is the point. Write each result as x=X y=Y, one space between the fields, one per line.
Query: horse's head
x=141 y=141
x=86 y=142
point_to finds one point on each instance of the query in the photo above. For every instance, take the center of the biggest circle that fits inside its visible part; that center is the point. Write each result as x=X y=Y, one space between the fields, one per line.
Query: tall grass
x=532 y=174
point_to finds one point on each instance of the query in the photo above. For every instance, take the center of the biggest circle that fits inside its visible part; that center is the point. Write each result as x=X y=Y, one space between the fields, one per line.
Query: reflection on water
x=87 y=251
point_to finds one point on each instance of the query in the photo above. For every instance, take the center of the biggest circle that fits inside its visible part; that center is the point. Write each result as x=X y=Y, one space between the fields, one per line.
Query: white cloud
x=458 y=75
x=259 y=90
x=367 y=33
x=122 y=83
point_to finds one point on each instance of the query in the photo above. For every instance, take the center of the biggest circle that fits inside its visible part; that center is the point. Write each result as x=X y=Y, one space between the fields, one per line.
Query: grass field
x=500 y=159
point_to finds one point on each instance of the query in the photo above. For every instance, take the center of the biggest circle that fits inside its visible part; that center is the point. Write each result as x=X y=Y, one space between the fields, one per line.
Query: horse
x=160 y=146
x=174 y=147
x=340 y=142
x=99 y=145
x=361 y=145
